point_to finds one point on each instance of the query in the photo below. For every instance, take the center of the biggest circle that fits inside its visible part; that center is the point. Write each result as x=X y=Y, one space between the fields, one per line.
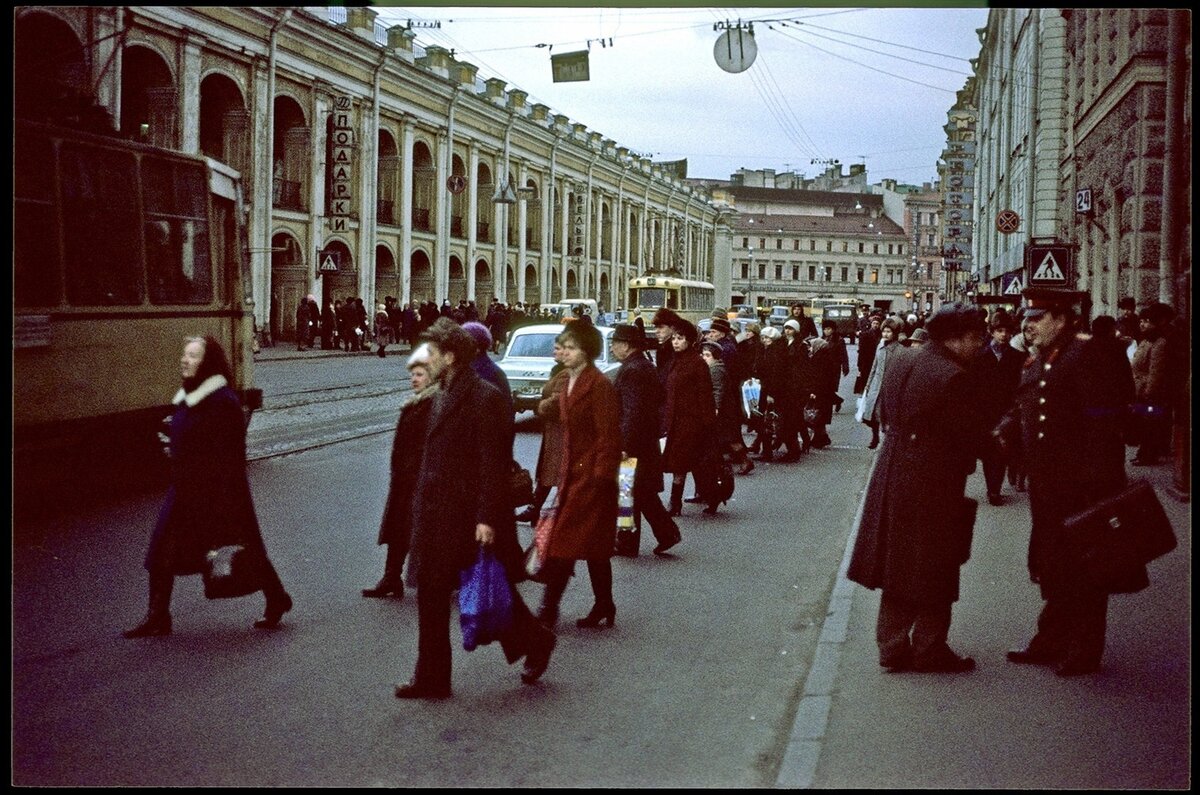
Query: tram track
x=304 y=420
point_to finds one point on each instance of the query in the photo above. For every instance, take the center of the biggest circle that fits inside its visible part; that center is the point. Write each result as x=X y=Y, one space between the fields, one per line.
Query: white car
x=530 y=356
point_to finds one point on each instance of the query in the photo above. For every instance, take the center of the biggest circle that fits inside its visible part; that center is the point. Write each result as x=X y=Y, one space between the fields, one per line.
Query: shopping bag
x=751 y=394
x=627 y=537
x=484 y=601
x=535 y=555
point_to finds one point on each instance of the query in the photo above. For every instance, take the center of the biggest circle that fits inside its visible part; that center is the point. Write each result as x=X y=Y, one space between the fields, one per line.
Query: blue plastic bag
x=484 y=601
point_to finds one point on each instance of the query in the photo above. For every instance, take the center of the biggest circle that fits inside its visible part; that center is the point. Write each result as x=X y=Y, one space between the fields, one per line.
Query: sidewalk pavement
x=1004 y=725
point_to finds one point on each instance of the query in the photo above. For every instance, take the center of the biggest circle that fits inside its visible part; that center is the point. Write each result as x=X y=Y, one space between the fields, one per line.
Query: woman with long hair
x=585 y=519
x=208 y=504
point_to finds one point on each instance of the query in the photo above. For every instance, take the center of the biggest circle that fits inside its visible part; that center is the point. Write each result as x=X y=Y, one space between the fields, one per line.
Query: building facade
x=1085 y=133
x=371 y=166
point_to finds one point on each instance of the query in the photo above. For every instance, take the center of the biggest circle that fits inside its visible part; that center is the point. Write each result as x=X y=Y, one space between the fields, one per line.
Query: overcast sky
x=858 y=85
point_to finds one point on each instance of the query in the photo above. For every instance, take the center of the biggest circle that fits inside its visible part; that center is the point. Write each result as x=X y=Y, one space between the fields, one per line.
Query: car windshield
x=536 y=345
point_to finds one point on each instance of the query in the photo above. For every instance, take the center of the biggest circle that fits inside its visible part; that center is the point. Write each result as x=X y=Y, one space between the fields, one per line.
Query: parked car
x=779 y=316
x=530 y=356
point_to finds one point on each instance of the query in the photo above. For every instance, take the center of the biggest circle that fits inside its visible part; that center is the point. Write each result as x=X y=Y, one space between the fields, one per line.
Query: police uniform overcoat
x=915 y=533
x=1069 y=405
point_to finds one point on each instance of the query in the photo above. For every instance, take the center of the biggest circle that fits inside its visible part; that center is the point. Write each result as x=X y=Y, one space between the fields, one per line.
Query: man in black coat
x=461 y=502
x=1068 y=410
x=915 y=532
x=641 y=405
x=998 y=371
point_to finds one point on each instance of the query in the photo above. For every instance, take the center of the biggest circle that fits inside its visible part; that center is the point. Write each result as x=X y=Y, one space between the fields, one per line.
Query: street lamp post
x=750 y=290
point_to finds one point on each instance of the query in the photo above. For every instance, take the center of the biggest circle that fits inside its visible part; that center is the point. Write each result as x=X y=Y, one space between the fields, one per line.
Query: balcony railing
x=420 y=219
x=286 y=195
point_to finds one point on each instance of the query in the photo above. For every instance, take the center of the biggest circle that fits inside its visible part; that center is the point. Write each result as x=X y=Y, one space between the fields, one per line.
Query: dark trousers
x=995 y=461
x=1072 y=625
x=434 y=595
x=647 y=503
x=909 y=632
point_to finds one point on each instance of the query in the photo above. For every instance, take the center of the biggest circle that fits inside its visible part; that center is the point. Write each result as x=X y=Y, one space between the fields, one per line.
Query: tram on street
x=690 y=299
x=121 y=250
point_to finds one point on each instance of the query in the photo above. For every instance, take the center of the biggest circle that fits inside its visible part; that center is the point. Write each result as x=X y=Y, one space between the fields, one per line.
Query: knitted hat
x=793 y=324
x=483 y=337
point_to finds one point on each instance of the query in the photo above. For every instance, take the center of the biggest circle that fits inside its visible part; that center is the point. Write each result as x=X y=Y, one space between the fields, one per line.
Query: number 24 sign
x=1083 y=200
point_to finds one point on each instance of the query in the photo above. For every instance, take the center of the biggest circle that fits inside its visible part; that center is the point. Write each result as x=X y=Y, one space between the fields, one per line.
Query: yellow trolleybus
x=690 y=299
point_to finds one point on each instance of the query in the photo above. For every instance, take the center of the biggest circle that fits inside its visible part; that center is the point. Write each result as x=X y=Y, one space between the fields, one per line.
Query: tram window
x=35 y=237
x=176 y=234
x=100 y=227
x=653 y=297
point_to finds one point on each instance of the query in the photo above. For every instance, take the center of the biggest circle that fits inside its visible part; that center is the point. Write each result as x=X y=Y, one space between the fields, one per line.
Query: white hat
x=419 y=356
x=793 y=324
x=770 y=332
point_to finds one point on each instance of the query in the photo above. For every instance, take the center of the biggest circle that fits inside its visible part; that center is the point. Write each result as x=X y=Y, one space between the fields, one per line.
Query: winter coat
x=997 y=380
x=464 y=481
x=727 y=400
x=870 y=412
x=1150 y=370
x=772 y=368
x=407 y=446
x=550 y=454
x=1069 y=410
x=585 y=525
x=690 y=413
x=826 y=375
x=208 y=504
x=913 y=537
x=641 y=400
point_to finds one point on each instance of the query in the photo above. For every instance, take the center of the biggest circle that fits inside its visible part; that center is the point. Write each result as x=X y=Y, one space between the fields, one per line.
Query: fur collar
x=206 y=388
x=424 y=394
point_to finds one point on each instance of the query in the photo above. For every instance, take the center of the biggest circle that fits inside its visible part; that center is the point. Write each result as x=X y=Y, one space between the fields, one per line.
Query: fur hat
x=419 y=356
x=665 y=317
x=686 y=330
x=722 y=325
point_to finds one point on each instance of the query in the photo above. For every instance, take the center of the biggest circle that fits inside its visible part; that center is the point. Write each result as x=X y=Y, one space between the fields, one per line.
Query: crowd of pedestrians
x=1055 y=406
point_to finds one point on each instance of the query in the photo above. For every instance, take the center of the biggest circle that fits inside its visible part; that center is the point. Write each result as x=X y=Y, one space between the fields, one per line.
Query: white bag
x=858 y=413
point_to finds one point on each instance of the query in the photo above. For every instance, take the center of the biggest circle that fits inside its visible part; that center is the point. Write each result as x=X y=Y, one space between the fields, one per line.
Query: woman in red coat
x=585 y=524
x=691 y=415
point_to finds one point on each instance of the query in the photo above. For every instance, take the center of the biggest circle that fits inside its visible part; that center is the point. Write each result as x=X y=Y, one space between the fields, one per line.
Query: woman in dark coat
x=728 y=429
x=585 y=524
x=208 y=504
x=826 y=374
x=407 y=446
x=690 y=414
x=771 y=367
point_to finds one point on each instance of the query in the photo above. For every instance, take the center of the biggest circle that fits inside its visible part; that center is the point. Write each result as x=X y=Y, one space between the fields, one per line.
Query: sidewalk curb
x=799 y=765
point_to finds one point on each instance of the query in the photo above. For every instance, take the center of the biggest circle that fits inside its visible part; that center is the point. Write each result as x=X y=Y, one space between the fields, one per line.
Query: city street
x=744 y=660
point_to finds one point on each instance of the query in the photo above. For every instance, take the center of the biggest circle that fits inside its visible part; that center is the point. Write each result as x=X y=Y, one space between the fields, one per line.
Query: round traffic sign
x=735 y=50
x=455 y=183
x=1007 y=222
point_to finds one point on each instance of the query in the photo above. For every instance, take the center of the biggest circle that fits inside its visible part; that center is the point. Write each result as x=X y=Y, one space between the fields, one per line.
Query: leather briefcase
x=1119 y=535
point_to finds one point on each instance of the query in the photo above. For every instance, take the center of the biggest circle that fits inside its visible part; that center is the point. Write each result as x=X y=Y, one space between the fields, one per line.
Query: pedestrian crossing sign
x=1047 y=266
x=328 y=264
x=1014 y=283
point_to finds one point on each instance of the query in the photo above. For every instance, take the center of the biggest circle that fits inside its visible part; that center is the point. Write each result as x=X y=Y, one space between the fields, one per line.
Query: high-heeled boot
x=676 y=499
x=158 y=613
x=603 y=611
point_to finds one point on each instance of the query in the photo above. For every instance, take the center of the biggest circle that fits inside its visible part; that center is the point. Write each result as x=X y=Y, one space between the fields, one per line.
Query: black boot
x=676 y=499
x=158 y=615
x=766 y=444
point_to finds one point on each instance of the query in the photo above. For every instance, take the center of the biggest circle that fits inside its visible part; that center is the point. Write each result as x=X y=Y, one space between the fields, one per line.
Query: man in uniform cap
x=1068 y=413
x=916 y=526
